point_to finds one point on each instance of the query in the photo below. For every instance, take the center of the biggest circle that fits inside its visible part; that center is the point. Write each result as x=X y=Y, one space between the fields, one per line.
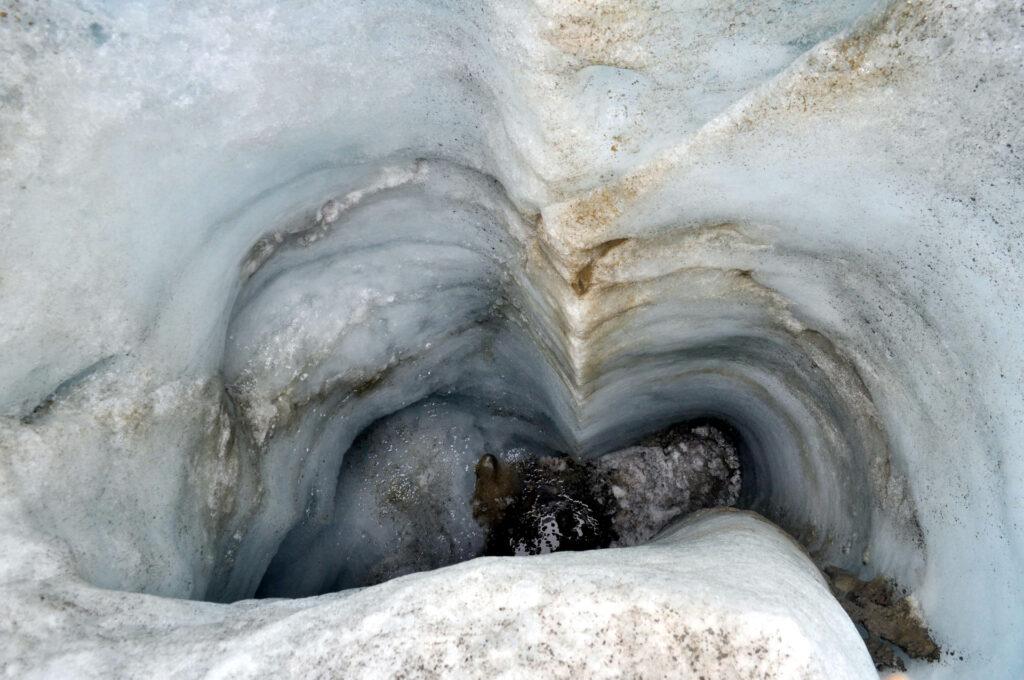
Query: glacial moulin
x=251 y=248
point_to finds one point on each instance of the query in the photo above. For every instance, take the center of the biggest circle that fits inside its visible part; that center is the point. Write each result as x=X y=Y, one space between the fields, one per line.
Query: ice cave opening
x=275 y=282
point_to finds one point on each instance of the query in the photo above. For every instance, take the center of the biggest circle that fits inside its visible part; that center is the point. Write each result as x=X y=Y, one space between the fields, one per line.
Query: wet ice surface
x=230 y=247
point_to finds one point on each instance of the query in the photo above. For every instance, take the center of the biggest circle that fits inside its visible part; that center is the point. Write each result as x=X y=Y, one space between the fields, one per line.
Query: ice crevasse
x=267 y=269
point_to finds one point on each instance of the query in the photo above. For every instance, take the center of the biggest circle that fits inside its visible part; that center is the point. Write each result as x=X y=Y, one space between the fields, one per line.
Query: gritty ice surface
x=236 y=236
x=654 y=484
x=696 y=603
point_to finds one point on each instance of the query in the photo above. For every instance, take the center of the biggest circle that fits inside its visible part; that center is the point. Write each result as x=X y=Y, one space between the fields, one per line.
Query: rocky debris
x=551 y=503
x=542 y=505
x=885 y=618
x=673 y=473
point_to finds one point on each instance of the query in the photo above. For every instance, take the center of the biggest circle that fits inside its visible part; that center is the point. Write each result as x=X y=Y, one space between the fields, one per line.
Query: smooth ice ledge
x=722 y=594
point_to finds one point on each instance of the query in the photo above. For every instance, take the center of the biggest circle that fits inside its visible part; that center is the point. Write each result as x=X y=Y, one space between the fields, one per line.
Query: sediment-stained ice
x=240 y=239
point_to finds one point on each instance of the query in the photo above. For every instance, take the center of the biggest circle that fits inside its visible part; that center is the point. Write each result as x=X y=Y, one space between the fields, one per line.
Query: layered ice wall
x=239 y=238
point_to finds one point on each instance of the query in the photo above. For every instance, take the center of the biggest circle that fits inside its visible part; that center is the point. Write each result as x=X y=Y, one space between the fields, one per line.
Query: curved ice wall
x=237 y=239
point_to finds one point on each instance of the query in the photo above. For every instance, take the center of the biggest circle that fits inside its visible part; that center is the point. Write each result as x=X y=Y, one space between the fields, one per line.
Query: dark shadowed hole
x=404 y=497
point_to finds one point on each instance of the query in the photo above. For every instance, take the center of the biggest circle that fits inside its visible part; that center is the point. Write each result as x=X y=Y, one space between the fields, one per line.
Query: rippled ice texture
x=236 y=235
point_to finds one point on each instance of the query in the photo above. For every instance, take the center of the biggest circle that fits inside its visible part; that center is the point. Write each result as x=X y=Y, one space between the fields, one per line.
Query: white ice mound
x=723 y=594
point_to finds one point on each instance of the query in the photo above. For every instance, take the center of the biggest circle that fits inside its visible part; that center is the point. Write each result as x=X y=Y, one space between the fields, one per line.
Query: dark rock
x=542 y=505
x=624 y=498
x=885 y=616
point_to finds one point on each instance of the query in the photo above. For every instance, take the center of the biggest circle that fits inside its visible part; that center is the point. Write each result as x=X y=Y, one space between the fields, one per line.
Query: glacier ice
x=250 y=249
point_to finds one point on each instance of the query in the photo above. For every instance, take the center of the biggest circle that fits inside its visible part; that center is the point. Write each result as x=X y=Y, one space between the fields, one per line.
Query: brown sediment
x=602 y=206
x=886 y=617
x=583 y=278
x=872 y=56
x=374 y=381
x=604 y=32
x=497 y=484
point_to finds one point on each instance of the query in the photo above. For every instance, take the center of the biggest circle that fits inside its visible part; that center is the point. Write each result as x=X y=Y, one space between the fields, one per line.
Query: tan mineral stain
x=605 y=32
x=582 y=280
x=871 y=57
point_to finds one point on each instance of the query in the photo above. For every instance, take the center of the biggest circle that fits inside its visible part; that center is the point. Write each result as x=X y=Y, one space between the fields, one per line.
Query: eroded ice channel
x=240 y=240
